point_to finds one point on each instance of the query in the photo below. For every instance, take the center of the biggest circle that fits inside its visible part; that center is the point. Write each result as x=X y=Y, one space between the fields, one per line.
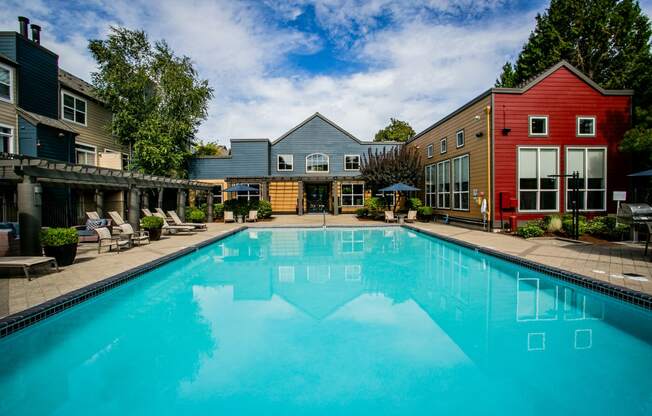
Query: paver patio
x=606 y=262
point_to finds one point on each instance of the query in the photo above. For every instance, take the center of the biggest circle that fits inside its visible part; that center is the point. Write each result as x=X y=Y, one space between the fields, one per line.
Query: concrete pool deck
x=604 y=262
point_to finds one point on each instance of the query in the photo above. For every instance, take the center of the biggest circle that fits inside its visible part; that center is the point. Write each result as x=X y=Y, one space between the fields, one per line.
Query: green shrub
x=54 y=237
x=361 y=212
x=415 y=203
x=567 y=224
x=264 y=209
x=218 y=210
x=196 y=215
x=425 y=212
x=552 y=223
x=531 y=229
x=605 y=227
x=373 y=206
x=151 y=222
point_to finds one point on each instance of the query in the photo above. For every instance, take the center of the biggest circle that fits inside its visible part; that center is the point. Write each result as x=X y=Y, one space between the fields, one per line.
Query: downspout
x=489 y=194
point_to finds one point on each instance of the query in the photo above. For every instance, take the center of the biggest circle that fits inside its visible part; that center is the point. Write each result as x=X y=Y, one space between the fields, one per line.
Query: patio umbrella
x=643 y=173
x=240 y=188
x=398 y=187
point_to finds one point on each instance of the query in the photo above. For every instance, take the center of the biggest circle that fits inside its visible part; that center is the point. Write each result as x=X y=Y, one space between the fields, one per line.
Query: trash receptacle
x=513 y=224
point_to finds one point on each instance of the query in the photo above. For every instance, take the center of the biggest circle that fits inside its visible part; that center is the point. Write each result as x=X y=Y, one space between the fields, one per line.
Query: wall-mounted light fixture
x=479 y=134
x=476 y=118
x=506 y=131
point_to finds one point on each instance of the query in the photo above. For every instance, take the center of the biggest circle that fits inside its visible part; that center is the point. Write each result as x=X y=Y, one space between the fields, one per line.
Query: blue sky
x=273 y=63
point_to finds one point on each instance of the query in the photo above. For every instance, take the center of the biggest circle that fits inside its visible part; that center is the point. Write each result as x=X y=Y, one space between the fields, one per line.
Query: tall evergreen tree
x=608 y=40
x=396 y=131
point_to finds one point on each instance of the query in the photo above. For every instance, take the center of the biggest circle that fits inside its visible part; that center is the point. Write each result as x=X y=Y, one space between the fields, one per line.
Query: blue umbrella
x=240 y=188
x=644 y=173
x=399 y=187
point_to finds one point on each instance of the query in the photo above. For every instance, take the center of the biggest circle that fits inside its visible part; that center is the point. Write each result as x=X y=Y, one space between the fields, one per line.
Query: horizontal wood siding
x=38 y=78
x=475 y=147
x=283 y=196
x=8 y=110
x=8 y=44
x=562 y=97
x=27 y=138
x=248 y=159
x=51 y=146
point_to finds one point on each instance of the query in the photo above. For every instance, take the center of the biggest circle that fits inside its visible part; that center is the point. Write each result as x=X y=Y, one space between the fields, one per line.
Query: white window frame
x=328 y=163
x=455 y=193
x=429 y=151
x=250 y=194
x=443 y=146
x=352 y=195
x=538 y=190
x=457 y=139
x=352 y=170
x=529 y=126
x=12 y=138
x=577 y=126
x=63 y=106
x=285 y=157
x=86 y=151
x=450 y=182
x=585 y=177
x=430 y=171
x=11 y=83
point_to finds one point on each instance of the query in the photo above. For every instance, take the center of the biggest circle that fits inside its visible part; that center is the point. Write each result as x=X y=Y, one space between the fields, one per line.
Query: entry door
x=317 y=197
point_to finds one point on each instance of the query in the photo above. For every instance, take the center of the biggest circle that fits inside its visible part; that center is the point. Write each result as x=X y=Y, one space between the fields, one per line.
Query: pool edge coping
x=27 y=317
x=634 y=297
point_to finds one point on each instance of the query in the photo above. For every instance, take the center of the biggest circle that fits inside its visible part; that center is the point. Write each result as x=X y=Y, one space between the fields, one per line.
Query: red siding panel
x=562 y=96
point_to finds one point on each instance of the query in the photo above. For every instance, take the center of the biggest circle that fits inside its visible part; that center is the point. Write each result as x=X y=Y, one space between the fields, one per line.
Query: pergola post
x=335 y=199
x=181 y=204
x=264 y=191
x=29 y=216
x=134 y=208
x=160 y=198
x=300 y=199
x=146 y=198
x=209 y=201
x=99 y=202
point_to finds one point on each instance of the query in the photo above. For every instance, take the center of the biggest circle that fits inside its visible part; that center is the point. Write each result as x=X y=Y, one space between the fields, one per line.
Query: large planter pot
x=65 y=254
x=154 y=233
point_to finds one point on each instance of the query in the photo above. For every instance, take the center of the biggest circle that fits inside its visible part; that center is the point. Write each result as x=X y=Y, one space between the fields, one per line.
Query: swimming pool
x=380 y=321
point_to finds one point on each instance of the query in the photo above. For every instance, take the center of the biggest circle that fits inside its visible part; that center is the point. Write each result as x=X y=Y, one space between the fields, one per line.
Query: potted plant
x=153 y=225
x=60 y=243
x=196 y=215
x=425 y=213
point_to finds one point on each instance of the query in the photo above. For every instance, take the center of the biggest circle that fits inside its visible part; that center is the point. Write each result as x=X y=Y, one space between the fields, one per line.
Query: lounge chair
x=389 y=217
x=93 y=215
x=228 y=216
x=177 y=221
x=169 y=228
x=117 y=219
x=139 y=236
x=106 y=239
x=147 y=212
x=253 y=216
x=411 y=216
x=25 y=262
x=649 y=236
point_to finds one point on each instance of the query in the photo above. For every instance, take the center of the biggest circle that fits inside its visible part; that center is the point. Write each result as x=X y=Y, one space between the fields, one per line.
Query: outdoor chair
x=138 y=237
x=253 y=216
x=411 y=216
x=147 y=212
x=177 y=221
x=105 y=239
x=170 y=228
x=649 y=235
x=389 y=217
x=26 y=262
x=93 y=215
x=228 y=216
x=117 y=219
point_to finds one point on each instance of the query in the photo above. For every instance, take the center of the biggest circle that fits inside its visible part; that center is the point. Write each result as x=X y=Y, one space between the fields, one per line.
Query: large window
x=352 y=194
x=250 y=195
x=431 y=190
x=285 y=163
x=538 y=125
x=6 y=83
x=444 y=184
x=85 y=154
x=352 y=162
x=73 y=108
x=316 y=162
x=217 y=194
x=6 y=139
x=537 y=190
x=461 y=183
x=591 y=163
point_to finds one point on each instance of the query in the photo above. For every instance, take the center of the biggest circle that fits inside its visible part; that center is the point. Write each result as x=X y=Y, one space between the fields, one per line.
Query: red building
x=515 y=138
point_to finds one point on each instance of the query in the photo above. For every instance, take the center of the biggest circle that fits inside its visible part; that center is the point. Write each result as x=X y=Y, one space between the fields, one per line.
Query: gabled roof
x=77 y=84
x=37 y=119
x=537 y=79
x=320 y=116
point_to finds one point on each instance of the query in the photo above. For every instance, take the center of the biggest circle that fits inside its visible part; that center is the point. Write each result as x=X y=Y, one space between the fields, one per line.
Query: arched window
x=317 y=162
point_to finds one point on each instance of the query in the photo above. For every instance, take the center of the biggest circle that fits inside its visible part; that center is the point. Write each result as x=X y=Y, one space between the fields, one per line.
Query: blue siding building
x=313 y=167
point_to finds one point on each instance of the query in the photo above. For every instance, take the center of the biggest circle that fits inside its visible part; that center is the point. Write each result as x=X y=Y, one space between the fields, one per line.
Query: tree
x=209 y=149
x=396 y=131
x=609 y=40
x=156 y=98
x=399 y=164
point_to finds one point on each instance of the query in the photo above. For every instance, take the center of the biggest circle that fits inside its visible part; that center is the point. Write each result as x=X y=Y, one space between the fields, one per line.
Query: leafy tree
x=609 y=40
x=209 y=149
x=396 y=130
x=156 y=98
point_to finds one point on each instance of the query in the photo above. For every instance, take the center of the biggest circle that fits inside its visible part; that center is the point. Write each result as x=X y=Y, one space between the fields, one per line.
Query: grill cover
x=632 y=213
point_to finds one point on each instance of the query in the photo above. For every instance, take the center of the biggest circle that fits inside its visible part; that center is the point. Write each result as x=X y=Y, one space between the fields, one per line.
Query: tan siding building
x=8 y=119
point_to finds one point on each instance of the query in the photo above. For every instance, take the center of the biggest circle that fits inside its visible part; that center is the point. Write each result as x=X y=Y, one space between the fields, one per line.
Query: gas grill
x=635 y=214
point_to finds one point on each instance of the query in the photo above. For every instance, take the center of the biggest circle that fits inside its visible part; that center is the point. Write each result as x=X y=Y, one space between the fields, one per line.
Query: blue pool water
x=342 y=321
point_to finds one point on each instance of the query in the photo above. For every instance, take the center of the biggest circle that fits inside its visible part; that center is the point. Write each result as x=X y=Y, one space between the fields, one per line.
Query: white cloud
x=418 y=70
